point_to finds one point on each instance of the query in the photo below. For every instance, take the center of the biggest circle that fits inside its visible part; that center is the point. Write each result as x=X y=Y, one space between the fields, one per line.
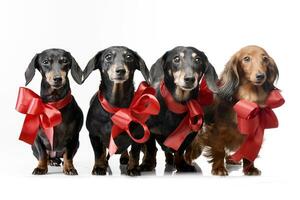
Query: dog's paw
x=252 y=171
x=186 y=168
x=134 y=172
x=147 y=166
x=70 y=171
x=99 y=170
x=124 y=160
x=40 y=171
x=219 y=171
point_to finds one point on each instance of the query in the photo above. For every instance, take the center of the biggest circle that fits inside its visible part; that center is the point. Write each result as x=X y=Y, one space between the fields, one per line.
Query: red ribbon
x=193 y=120
x=143 y=104
x=252 y=121
x=39 y=114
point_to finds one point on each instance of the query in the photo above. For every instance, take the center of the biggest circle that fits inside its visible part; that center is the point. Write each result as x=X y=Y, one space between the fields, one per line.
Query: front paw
x=184 y=167
x=147 y=166
x=219 y=171
x=99 y=171
x=70 y=171
x=133 y=172
x=40 y=171
x=252 y=171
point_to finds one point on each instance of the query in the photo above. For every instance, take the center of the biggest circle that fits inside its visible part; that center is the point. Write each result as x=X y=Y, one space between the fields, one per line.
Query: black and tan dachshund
x=181 y=69
x=54 y=64
x=117 y=66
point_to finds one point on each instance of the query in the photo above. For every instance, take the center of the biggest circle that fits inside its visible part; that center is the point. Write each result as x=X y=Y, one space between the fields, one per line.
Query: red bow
x=252 y=121
x=39 y=114
x=143 y=104
x=193 y=120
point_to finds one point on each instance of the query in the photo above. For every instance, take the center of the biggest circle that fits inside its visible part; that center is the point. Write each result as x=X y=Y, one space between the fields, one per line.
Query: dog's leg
x=40 y=153
x=100 y=166
x=149 y=159
x=133 y=163
x=70 y=151
x=218 y=166
x=124 y=158
x=249 y=169
x=169 y=158
x=181 y=165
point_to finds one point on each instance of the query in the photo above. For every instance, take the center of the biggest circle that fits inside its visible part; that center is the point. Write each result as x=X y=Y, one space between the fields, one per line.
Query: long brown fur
x=237 y=82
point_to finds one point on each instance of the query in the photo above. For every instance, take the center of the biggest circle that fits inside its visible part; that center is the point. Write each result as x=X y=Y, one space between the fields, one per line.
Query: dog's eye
x=108 y=57
x=64 y=60
x=129 y=58
x=197 y=60
x=176 y=59
x=45 y=62
x=265 y=59
x=247 y=59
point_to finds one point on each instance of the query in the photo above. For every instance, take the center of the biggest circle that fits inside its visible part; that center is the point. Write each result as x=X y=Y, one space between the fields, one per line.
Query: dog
x=54 y=65
x=181 y=70
x=249 y=75
x=117 y=65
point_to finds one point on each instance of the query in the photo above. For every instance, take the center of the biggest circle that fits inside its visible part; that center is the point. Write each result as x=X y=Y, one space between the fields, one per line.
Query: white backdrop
x=219 y=28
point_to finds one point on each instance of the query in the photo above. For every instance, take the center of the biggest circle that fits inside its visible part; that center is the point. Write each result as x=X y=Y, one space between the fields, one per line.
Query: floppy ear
x=30 y=71
x=157 y=69
x=272 y=75
x=143 y=68
x=272 y=72
x=229 y=79
x=76 y=71
x=211 y=77
x=92 y=65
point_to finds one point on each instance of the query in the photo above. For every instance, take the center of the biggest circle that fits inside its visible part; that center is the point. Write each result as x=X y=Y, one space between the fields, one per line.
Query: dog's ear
x=229 y=78
x=157 y=69
x=272 y=75
x=76 y=71
x=30 y=71
x=272 y=72
x=92 y=65
x=211 y=77
x=143 y=68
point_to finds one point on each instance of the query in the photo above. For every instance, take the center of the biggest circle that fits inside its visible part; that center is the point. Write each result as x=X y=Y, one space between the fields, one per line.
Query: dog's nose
x=260 y=76
x=189 y=79
x=120 y=71
x=57 y=79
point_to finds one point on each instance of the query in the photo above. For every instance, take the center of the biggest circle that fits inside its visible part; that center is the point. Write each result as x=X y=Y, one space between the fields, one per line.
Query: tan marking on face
x=194 y=55
x=179 y=79
x=181 y=95
x=51 y=74
x=181 y=54
x=112 y=74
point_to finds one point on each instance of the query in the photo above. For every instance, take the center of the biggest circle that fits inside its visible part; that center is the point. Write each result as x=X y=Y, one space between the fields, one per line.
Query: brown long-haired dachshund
x=249 y=75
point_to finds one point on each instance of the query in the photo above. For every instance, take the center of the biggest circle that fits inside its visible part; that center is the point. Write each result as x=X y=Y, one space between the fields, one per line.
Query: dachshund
x=181 y=69
x=117 y=65
x=54 y=64
x=250 y=75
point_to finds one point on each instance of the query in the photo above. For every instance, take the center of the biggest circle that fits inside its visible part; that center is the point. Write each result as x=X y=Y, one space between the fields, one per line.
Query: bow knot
x=38 y=114
x=143 y=105
x=252 y=120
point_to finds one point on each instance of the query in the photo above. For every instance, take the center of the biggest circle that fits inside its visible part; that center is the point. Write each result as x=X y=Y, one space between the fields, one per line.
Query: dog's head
x=54 y=64
x=117 y=64
x=183 y=68
x=251 y=64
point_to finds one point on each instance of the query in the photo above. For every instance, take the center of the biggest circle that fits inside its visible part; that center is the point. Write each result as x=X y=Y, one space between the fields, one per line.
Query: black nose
x=120 y=71
x=189 y=79
x=57 y=79
x=260 y=76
